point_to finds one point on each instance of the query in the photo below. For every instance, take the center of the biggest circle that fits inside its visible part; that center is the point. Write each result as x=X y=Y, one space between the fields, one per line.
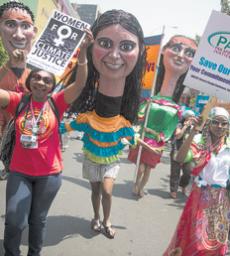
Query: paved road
x=143 y=226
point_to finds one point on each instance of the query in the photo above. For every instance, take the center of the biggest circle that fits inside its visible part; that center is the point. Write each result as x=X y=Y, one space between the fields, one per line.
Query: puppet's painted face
x=16 y=30
x=178 y=55
x=115 y=52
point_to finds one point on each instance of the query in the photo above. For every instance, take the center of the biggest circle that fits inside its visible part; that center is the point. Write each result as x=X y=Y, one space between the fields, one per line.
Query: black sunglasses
x=46 y=80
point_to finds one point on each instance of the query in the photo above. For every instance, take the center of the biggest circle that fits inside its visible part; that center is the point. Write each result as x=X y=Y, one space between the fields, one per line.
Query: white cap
x=188 y=113
x=218 y=111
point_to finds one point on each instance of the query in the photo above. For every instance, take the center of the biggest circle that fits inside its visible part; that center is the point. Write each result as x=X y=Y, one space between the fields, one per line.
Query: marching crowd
x=104 y=87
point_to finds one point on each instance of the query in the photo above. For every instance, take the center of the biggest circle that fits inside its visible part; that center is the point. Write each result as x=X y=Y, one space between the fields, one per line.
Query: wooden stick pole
x=148 y=109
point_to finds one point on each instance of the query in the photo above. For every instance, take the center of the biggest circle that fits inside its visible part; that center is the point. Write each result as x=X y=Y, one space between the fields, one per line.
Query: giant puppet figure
x=109 y=105
x=164 y=113
x=17 y=32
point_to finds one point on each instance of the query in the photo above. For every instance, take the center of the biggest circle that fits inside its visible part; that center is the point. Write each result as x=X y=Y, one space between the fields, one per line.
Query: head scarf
x=188 y=113
x=218 y=111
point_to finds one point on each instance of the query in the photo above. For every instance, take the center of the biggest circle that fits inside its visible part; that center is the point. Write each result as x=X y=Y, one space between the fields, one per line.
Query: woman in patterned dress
x=204 y=224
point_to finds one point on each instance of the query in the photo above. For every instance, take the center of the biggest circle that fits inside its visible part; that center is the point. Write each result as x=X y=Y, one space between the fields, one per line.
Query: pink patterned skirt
x=204 y=224
x=149 y=158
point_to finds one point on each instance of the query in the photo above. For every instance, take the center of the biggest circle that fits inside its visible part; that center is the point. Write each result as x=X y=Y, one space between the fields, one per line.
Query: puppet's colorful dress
x=163 y=118
x=204 y=224
x=103 y=136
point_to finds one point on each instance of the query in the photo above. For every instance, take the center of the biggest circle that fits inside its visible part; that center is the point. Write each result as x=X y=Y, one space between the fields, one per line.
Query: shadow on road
x=80 y=182
x=63 y=227
x=178 y=202
x=120 y=190
x=1 y=247
x=124 y=190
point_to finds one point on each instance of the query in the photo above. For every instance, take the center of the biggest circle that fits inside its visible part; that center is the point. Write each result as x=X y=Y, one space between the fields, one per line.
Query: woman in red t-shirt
x=36 y=162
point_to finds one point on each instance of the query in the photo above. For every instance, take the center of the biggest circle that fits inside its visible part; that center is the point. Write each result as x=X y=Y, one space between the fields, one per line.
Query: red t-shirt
x=46 y=159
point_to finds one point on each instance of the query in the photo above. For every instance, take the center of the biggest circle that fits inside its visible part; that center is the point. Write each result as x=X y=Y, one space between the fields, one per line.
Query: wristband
x=82 y=63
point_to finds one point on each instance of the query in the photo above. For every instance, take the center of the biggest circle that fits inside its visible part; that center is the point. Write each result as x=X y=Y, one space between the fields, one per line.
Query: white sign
x=210 y=68
x=57 y=44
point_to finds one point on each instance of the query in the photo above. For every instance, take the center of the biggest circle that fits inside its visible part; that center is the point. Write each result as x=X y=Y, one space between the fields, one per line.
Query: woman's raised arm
x=73 y=90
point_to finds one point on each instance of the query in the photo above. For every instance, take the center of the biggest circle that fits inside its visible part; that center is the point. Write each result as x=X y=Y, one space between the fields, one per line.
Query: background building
x=87 y=12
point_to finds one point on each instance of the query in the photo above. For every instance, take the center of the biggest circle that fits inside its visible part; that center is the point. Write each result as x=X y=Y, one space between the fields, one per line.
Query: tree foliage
x=225 y=6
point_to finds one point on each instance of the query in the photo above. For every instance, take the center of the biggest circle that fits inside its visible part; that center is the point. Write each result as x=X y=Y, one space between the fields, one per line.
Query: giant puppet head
x=126 y=39
x=176 y=57
x=178 y=54
x=16 y=27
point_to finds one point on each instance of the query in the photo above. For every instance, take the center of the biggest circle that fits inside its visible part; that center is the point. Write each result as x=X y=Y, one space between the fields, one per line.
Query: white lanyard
x=35 y=121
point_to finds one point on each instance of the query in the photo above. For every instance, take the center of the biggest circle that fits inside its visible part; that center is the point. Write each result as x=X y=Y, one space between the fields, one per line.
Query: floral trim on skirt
x=204 y=224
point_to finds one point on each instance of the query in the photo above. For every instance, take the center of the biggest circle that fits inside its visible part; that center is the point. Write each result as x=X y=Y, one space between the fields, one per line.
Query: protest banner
x=57 y=44
x=210 y=68
x=201 y=101
x=152 y=44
